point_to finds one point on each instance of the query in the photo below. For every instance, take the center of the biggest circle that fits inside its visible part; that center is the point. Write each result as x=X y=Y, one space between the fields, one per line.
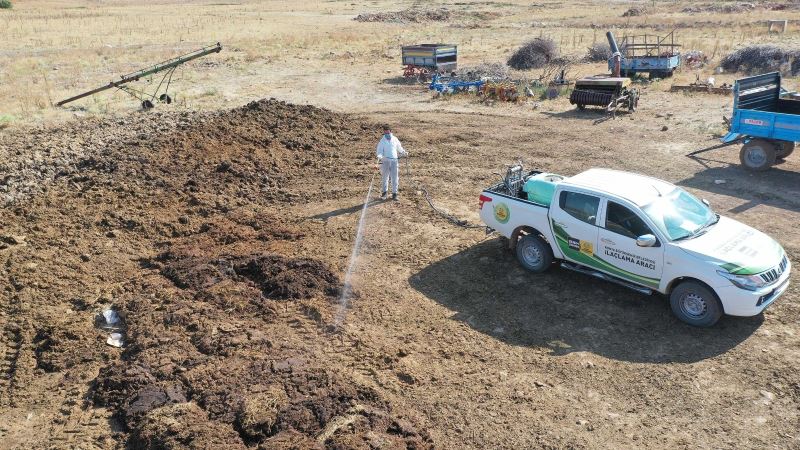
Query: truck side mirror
x=706 y=202
x=646 y=240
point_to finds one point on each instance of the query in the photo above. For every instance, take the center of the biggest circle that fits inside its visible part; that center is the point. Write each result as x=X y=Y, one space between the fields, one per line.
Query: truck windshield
x=679 y=214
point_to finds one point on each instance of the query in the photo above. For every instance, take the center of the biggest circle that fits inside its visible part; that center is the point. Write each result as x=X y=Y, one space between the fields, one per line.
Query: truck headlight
x=747 y=282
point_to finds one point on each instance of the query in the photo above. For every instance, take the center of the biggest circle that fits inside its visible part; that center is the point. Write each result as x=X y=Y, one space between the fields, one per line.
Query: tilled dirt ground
x=221 y=239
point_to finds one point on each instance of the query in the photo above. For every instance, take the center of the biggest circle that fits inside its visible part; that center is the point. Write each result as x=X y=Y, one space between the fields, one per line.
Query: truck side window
x=580 y=206
x=622 y=220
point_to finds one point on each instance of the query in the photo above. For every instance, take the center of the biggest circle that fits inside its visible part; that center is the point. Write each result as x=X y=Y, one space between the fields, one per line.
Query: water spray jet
x=347 y=288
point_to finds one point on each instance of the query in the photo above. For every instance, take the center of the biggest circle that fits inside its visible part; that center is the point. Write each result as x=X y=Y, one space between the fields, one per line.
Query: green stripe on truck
x=562 y=237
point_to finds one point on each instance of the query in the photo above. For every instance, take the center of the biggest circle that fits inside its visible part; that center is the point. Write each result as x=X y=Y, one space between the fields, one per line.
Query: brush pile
x=408 y=15
x=633 y=12
x=756 y=59
x=598 y=52
x=534 y=55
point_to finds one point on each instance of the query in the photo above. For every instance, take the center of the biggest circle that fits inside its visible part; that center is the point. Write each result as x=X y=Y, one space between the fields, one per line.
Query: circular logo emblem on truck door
x=502 y=213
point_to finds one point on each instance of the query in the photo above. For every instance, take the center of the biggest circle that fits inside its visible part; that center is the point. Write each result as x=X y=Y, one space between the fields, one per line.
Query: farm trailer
x=424 y=60
x=655 y=55
x=766 y=118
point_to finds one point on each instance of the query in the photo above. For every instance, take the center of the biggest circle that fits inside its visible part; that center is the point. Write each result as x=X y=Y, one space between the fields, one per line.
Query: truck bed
x=516 y=191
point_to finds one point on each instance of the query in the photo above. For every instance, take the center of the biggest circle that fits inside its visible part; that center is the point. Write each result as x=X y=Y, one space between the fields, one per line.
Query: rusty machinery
x=167 y=67
x=703 y=86
x=610 y=92
x=505 y=91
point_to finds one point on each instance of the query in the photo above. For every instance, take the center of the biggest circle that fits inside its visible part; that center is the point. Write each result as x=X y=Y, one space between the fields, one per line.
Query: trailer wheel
x=581 y=106
x=785 y=148
x=758 y=155
x=694 y=303
x=534 y=253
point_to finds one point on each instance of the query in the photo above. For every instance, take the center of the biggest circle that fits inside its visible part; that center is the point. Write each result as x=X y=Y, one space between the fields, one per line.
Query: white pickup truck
x=640 y=232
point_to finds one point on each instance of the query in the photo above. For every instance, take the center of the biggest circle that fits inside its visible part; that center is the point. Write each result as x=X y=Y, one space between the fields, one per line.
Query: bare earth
x=222 y=238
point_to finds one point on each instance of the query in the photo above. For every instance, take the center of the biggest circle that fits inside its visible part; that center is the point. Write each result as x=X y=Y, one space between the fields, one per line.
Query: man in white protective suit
x=389 y=150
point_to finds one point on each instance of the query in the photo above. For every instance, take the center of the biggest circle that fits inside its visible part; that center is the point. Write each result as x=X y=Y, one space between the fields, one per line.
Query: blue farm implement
x=766 y=119
x=451 y=85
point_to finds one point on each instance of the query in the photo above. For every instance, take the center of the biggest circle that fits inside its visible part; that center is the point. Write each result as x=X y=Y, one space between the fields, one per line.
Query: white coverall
x=389 y=150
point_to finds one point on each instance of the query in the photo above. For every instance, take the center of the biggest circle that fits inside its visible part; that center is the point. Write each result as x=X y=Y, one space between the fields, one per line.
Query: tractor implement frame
x=147 y=99
x=714 y=147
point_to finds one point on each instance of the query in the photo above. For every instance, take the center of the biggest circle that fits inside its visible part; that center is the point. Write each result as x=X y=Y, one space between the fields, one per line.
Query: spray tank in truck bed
x=541 y=187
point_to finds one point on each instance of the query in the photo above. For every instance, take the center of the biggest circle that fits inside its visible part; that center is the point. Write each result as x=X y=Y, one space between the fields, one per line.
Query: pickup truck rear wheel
x=534 y=253
x=758 y=155
x=695 y=304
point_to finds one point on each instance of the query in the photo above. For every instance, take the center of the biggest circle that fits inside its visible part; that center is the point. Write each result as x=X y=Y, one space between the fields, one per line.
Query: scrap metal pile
x=506 y=91
x=703 y=86
x=494 y=90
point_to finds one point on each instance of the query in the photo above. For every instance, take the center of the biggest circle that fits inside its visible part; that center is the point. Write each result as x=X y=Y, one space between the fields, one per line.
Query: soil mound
x=245 y=398
x=250 y=153
x=176 y=211
x=727 y=8
x=183 y=426
x=276 y=276
x=199 y=373
x=289 y=278
x=408 y=15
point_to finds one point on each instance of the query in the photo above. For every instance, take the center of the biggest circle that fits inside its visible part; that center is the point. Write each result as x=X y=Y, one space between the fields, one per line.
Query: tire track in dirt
x=10 y=344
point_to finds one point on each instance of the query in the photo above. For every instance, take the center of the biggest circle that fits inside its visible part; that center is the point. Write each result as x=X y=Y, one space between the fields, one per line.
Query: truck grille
x=773 y=274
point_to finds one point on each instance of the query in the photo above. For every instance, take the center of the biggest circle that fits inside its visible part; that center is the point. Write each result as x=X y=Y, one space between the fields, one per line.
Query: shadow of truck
x=566 y=312
x=776 y=187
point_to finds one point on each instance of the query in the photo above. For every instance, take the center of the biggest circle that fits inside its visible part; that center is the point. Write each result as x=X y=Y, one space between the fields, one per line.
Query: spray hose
x=450 y=218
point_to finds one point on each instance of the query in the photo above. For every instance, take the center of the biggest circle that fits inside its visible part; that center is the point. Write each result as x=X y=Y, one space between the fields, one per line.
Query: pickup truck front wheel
x=695 y=304
x=534 y=253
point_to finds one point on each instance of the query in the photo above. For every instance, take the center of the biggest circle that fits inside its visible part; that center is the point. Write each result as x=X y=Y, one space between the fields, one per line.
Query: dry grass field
x=221 y=228
x=304 y=51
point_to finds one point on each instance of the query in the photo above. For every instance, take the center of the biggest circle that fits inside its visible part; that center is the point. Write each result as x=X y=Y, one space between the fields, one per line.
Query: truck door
x=617 y=248
x=574 y=221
